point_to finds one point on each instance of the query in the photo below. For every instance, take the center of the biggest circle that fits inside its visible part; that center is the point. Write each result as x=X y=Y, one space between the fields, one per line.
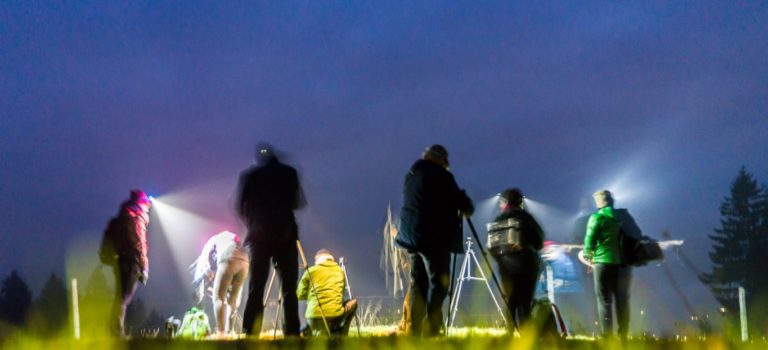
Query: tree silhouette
x=135 y=315
x=15 y=300
x=95 y=304
x=52 y=307
x=738 y=253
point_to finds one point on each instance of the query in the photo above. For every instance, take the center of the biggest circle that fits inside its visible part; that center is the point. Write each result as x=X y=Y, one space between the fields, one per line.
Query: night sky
x=660 y=102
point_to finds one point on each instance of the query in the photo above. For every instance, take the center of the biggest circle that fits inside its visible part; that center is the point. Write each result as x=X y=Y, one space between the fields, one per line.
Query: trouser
x=406 y=319
x=612 y=282
x=284 y=255
x=430 y=278
x=339 y=325
x=126 y=274
x=519 y=272
x=230 y=276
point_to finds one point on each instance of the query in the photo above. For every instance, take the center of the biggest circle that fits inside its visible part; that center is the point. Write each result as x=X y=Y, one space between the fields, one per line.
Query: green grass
x=376 y=338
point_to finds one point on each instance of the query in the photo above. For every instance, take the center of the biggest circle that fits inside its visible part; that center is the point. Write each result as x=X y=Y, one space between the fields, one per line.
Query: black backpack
x=638 y=252
x=108 y=251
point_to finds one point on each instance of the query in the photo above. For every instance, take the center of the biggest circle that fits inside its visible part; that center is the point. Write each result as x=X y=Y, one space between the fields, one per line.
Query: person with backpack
x=124 y=248
x=514 y=241
x=612 y=275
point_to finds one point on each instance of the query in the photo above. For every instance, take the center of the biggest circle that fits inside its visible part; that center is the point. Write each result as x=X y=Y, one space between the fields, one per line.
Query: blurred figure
x=227 y=261
x=329 y=283
x=205 y=266
x=612 y=277
x=514 y=241
x=268 y=194
x=430 y=230
x=124 y=248
x=194 y=325
x=227 y=287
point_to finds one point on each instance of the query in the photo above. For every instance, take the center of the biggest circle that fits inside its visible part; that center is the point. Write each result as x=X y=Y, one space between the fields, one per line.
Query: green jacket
x=601 y=243
x=329 y=281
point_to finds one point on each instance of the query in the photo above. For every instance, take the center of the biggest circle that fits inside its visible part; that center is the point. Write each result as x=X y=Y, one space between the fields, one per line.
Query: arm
x=539 y=238
x=301 y=291
x=590 y=241
x=301 y=199
x=240 y=204
x=629 y=225
x=460 y=199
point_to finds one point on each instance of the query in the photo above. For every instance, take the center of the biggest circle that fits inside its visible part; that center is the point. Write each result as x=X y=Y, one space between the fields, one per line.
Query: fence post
x=75 y=309
x=743 y=313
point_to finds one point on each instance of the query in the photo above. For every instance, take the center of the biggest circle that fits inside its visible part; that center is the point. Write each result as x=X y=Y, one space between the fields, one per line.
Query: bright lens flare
x=184 y=232
x=556 y=223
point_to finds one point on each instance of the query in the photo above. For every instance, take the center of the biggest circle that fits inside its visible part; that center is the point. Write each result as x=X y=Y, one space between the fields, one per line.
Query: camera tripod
x=465 y=274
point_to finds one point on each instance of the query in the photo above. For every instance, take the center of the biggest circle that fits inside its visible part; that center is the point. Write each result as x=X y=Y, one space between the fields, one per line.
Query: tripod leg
x=276 y=319
x=488 y=263
x=490 y=290
x=451 y=289
x=457 y=292
x=269 y=286
x=349 y=290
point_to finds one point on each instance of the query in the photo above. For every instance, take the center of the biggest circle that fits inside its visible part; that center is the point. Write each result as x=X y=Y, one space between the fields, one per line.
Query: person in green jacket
x=611 y=276
x=325 y=290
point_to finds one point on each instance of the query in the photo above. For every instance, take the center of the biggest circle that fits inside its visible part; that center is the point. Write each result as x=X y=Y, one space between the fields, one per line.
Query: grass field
x=377 y=338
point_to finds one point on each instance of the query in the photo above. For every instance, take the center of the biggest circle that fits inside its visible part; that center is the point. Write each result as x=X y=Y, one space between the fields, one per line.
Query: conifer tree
x=738 y=253
x=15 y=300
x=52 y=306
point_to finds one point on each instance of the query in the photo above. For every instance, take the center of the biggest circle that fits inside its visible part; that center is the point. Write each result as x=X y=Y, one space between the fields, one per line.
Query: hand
x=144 y=277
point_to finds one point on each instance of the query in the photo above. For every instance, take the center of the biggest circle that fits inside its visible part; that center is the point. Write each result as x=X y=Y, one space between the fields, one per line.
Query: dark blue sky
x=660 y=102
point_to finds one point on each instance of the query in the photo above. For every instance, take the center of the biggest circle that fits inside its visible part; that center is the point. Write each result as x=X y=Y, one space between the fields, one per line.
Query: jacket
x=602 y=242
x=125 y=239
x=268 y=194
x=329 y=281
x=430 y=219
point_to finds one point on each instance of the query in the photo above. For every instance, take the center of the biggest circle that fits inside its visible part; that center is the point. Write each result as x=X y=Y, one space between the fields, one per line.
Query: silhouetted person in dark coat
x=430 y=230
x=125 y=248
x=268 y=194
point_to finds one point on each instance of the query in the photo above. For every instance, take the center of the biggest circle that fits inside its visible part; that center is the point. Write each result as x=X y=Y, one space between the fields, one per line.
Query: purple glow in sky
x=661 y=102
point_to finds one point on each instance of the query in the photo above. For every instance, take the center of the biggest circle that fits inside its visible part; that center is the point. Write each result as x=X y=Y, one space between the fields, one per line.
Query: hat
x=323 y=255
x=139 y=196
x=323 y=252
x=603 y=198
x=513 y=196
x=437 y=150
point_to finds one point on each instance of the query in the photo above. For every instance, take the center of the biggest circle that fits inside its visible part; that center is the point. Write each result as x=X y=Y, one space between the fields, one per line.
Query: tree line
x=49 y=314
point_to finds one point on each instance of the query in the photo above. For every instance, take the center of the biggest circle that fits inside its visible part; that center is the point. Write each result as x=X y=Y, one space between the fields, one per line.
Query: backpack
x=638 y=252
x=108 y=251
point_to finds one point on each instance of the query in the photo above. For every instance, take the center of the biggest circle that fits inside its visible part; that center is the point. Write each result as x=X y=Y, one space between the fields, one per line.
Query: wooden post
x=743 y=313
x=75 y=309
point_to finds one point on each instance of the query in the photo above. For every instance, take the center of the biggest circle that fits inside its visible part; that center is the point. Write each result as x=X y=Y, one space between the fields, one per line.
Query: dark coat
x=268 y=194
x=125 y=237
x=430 y=219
